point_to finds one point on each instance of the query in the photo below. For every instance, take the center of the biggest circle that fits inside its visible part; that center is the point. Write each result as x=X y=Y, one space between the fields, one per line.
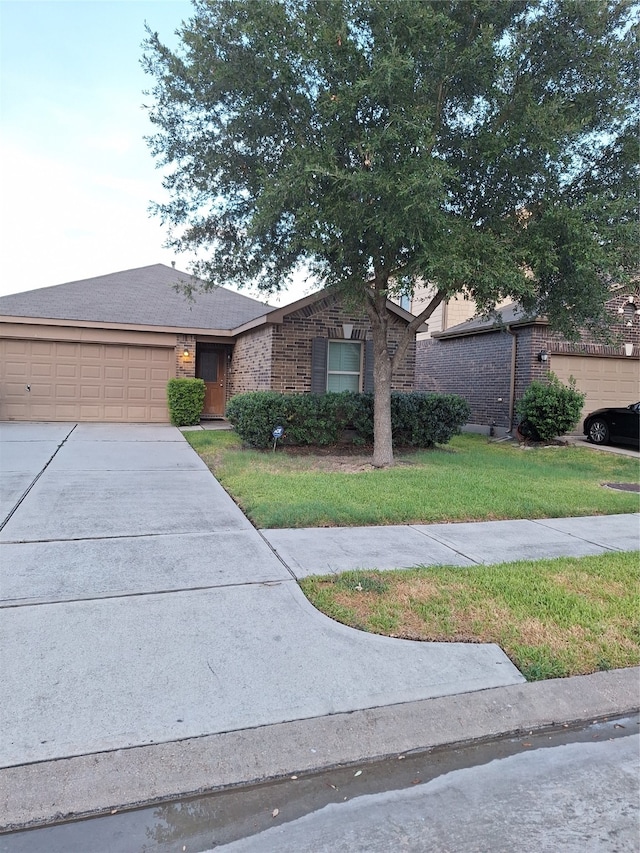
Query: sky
x=76 y=176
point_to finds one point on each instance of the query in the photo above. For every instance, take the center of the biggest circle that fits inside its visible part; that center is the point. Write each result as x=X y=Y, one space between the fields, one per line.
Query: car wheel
x=598 y=431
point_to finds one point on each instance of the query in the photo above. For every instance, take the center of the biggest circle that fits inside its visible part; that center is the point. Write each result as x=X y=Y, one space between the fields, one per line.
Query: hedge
x=185 y=398
x=418 y=419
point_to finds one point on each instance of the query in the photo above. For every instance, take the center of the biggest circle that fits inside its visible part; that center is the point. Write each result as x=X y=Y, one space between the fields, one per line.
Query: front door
x=211 y=365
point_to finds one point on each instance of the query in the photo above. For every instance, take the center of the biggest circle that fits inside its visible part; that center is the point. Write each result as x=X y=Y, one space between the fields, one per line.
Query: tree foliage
x=485 y=147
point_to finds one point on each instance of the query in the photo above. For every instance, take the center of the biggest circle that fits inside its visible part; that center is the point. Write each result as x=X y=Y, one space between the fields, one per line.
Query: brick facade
x=251 y=362
x=278 y=357
x=477 y=368
x=186 y=364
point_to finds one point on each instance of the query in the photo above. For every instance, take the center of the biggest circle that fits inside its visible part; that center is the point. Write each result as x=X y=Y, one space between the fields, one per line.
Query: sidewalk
x=328 y=550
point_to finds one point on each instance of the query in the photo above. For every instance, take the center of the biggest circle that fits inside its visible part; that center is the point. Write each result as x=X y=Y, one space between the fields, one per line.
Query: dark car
x=618 y=426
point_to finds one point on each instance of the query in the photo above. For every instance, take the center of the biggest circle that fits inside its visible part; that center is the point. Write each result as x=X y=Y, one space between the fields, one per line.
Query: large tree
x=488 y=148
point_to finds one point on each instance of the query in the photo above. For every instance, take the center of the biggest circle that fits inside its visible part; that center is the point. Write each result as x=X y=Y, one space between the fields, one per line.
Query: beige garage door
x=66 y=381
x=606 y=381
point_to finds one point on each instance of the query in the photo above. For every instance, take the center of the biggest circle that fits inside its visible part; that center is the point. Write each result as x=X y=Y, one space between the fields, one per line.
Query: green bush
x=550 y=407
x=418 y=419
x=185 y=398
x=307 y=418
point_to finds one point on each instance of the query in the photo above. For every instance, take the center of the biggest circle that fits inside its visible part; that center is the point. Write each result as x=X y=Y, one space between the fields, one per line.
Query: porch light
x=347 y=330
x=185 y=353
x=543 y=356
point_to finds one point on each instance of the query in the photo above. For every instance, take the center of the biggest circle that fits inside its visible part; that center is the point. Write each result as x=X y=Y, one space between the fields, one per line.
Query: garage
x=606 y=381
x=59 y=380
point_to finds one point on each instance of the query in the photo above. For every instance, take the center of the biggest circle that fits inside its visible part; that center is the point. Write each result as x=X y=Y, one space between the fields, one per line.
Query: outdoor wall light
x=543 y=356
x=186 y=353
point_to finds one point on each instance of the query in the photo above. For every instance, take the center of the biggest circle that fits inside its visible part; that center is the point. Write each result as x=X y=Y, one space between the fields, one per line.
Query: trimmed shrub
x=185 y=398
x=548 y=409
x=418 y=419
x=307 y=418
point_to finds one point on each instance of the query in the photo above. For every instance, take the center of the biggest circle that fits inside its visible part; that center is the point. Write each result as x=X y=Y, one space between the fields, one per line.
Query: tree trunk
x=382 y=436
x=382 y=371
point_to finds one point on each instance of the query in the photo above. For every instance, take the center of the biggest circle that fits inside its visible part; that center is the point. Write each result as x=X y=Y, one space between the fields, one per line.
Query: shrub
x=550 y=407
x=306 y=418
x=185 y=398
x=418 y=419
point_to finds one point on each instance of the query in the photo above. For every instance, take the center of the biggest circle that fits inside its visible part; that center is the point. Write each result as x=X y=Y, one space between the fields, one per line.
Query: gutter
x=512 y=381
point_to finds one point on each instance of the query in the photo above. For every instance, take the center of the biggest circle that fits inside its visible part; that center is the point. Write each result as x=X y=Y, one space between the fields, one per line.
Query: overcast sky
x=77 y=177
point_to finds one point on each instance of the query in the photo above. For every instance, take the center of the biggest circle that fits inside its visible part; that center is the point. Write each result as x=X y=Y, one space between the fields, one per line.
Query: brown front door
x=211 y=365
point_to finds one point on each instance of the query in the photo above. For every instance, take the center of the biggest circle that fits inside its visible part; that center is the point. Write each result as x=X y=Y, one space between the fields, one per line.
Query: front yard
x=468 y=480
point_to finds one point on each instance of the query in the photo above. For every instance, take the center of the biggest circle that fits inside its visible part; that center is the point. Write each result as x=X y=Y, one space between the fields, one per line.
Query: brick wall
x=186 y=364
x=477 y=368
x=250 y=368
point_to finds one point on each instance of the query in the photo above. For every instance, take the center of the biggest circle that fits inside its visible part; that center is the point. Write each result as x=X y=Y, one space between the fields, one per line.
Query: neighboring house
x=450 y=313
x=103 y=349
x=491 y=363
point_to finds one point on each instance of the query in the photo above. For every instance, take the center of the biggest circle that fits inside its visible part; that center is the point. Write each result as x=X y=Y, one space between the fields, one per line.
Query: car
x=616 y=425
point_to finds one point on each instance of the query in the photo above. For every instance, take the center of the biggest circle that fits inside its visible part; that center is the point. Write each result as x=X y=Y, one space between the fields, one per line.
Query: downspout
x=512 y=384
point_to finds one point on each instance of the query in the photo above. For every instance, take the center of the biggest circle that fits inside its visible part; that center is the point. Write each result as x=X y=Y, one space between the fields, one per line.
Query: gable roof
x=145 y=296
x=307 y=305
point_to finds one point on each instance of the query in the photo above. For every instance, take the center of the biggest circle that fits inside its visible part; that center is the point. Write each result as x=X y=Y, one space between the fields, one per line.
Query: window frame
x=359 y=373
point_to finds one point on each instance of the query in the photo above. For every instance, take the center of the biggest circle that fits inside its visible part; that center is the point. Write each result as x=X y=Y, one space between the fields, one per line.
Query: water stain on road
x=196 y=824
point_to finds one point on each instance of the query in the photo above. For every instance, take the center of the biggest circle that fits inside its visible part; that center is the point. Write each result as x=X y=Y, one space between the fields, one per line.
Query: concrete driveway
x=139 y=606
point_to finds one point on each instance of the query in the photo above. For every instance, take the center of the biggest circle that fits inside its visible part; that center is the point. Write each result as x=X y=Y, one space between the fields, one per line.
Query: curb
x=37 y=794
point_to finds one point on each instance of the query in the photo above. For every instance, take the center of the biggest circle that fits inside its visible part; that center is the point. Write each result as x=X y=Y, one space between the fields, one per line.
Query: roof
x=510 y=315
x=146 y=296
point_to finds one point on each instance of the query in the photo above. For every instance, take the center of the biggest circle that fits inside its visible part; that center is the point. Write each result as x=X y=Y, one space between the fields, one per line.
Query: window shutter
x=368 y=368
x=318 y=365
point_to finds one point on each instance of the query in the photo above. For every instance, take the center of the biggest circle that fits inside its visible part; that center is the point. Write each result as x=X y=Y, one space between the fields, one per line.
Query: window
x=344 y=366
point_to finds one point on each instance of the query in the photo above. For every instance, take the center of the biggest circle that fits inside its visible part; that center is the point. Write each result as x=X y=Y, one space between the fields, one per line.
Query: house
x=103 y=349
x=492 y=362
x=451 y=312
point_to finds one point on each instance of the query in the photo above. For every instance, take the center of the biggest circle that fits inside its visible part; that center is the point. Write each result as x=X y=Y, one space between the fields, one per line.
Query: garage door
x=606 y=381
x=66 y=381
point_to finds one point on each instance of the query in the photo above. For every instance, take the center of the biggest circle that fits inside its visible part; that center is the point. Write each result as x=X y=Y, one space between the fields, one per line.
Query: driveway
x=140 y=606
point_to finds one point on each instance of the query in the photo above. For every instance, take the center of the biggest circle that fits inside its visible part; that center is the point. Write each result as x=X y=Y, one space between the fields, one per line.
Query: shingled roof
x=510 y=315
x=146 y=296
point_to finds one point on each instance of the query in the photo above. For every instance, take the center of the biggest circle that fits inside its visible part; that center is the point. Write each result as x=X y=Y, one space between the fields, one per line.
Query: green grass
x=553 y=618
x=469 y=480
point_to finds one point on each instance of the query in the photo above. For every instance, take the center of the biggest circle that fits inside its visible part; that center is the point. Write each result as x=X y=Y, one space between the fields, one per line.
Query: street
x=547 y=792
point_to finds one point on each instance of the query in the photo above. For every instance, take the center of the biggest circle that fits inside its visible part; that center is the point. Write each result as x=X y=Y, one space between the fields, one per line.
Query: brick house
x=491 y=363
x=103 y=349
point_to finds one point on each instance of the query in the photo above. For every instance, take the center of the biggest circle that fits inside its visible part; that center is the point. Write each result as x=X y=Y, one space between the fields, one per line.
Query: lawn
x=471 y=479
x=553 y=618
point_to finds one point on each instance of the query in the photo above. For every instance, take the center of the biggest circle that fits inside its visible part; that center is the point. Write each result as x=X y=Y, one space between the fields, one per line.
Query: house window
x=344 y=366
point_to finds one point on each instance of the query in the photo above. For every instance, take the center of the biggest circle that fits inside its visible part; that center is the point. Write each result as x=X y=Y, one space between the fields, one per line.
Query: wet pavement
x=550 y=790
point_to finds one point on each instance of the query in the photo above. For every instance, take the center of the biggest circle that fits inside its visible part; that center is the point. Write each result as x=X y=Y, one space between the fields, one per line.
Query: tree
x=485 y=147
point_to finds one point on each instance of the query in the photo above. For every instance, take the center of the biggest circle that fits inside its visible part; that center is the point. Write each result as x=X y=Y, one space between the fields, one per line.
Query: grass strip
x=553 y=618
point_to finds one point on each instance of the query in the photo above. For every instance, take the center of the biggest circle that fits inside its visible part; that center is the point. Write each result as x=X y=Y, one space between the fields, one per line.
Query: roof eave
x=95 y=324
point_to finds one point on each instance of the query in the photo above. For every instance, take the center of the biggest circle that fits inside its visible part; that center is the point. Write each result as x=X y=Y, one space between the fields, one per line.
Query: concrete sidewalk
x=155 y=644
x=327 y=550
